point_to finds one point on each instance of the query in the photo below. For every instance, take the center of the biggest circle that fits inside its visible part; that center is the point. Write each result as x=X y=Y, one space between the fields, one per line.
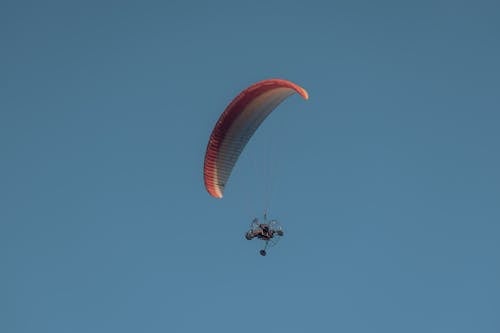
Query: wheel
x=262 y=252
x=280 y=232
x=249 y=235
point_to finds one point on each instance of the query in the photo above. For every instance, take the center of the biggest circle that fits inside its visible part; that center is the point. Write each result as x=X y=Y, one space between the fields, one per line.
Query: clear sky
x=386 y=180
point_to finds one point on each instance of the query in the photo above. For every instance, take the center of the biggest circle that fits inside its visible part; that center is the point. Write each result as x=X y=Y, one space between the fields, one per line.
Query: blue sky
x=386 y=180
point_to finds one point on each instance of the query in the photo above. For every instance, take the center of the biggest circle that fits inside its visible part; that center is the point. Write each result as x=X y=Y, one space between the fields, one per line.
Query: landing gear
x=263 y=251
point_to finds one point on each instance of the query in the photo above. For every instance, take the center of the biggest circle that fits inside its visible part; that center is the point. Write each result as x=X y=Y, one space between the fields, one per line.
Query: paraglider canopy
x=237 y=124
